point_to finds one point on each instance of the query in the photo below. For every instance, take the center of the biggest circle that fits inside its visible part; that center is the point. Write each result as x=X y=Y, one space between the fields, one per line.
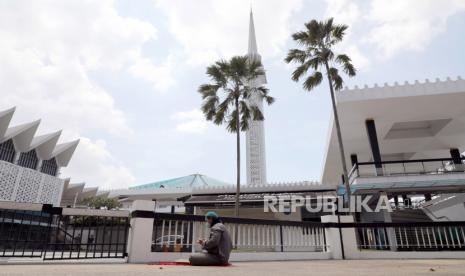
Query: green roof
x=189 y=181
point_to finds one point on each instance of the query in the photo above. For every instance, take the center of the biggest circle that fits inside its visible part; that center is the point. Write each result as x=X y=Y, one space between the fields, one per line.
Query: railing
x=23 y=233
x=179 y=233
x=419 y=236
x=409 y=203
x=406 y=167
x=84 y=237
x=36 y=230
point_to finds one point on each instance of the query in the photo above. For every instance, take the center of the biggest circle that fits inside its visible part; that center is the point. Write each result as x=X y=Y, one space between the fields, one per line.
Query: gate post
x=349 y=240
x=140 y=234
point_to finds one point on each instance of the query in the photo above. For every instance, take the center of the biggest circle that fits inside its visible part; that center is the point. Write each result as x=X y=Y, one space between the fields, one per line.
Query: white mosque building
x=30 y=165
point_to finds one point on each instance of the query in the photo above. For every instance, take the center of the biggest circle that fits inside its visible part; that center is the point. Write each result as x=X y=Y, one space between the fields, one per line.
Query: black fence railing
x=406 y=167
x=51 y=233
x=23 y=233
x=84 y=237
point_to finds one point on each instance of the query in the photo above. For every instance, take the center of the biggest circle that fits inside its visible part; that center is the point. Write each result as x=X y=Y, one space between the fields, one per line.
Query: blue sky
x=122 y=76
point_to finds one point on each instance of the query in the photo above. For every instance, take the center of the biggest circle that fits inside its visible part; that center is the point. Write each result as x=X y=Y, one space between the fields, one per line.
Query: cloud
x=388 y=28
x=192 y=122
x=160 y=77
x=408 y=25
x=94 y=164
x=49 y=52
x=344 y=11
x=348 y=12
x=212 y=29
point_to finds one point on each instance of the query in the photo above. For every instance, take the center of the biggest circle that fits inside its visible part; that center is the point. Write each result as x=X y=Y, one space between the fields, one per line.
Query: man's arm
x=213 y=241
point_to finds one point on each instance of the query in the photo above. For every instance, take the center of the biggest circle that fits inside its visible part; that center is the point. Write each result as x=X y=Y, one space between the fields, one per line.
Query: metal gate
x=63 y=233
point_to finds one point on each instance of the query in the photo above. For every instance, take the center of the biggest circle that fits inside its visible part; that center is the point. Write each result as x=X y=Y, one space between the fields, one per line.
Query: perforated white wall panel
x=26 y=185
x=9 y=174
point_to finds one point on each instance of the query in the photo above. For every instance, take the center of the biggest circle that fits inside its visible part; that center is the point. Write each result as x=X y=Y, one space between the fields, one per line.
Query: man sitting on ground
x=217 y=247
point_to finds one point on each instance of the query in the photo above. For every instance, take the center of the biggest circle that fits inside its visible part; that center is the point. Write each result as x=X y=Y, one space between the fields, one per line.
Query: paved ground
x=329 y=267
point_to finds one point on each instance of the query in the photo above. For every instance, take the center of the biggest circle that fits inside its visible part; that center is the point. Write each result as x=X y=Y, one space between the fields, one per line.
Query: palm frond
x=301 y=38
x=232 y=121
x=216 y=73
x=346 y=63
x=338 y=32
x=327 y=27
x=336 y=78
x=208 y=90
x=313 y=81
x=264 y=93
x=257 y=114
x=299 y=72
x=296 y=55
x=245 y=114
x=209 y=107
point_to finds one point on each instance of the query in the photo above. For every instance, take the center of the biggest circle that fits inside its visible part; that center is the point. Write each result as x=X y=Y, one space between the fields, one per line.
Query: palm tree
x=317 y=42
x=228 y=99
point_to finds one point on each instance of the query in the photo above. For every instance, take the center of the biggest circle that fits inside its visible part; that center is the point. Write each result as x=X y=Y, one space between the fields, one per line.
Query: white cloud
x=359 y=59
x=192 y=122
x=344 y=11
x=401 y=25
x=391 y=27
x=348 y=12
x=214 y=29
x=161 y=76
x=95 y=165
x=48 y=53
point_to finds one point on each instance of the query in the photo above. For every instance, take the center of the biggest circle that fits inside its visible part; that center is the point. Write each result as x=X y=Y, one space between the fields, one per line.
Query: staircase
x=409 y=215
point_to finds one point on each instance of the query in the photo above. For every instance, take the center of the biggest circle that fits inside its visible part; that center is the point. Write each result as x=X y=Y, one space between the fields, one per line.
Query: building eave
x=63 y=152
x=45 y=144
x=22 y=135
x=5 y=119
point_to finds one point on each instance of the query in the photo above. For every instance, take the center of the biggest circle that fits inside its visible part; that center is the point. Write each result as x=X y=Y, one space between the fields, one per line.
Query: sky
x=122 y=76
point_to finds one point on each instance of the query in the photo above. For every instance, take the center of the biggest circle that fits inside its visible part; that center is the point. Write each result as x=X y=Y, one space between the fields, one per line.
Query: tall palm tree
x=315 y=55
x=228 y=99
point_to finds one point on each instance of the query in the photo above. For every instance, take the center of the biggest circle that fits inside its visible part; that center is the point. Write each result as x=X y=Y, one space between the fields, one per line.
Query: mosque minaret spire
x=255 y=135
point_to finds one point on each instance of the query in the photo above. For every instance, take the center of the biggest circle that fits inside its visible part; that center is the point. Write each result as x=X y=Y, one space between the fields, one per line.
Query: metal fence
x=84 y=237
x=23 y=233
x=417 y=236
x=61 y=233
x=179 y=233
x=406 y=167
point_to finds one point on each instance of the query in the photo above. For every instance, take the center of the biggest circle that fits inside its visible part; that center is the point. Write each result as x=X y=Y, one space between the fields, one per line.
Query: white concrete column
x=389 y=231
x=16 y=158
x=39 y=164
x=140 y=234
x=348 y=238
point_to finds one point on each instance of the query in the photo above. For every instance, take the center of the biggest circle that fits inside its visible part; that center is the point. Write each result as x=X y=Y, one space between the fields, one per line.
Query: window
x=49 y=167
x=7 y=151
x=28 y=159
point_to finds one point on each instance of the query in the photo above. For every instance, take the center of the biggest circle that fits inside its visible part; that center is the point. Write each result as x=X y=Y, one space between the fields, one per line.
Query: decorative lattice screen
x=26 y=185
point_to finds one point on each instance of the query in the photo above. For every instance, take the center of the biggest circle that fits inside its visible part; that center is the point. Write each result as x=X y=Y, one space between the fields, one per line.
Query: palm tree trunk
x=238 y=161
x=339 y=136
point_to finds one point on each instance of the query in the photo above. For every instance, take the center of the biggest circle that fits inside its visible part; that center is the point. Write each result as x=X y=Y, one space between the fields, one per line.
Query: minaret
x=255 y=136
